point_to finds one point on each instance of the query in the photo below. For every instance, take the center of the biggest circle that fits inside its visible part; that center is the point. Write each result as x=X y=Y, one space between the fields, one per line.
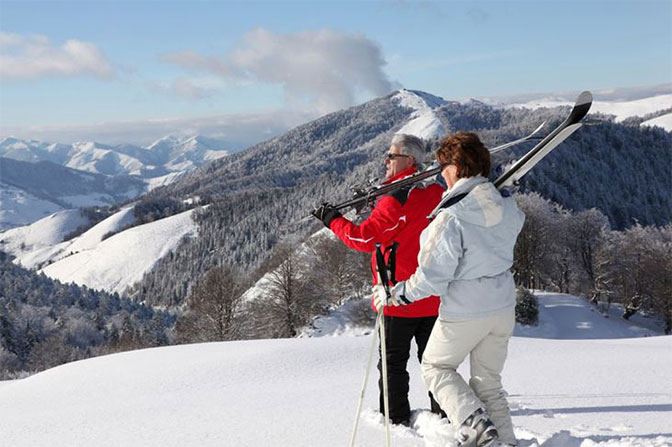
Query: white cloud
x=34 y=57
x=322 y=69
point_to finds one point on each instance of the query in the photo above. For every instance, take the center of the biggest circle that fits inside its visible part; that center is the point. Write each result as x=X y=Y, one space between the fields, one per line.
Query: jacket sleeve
x=385 y=222
x=438 y=259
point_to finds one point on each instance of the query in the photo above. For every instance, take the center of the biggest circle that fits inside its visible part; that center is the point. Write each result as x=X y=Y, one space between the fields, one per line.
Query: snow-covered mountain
x=33 y=190
x=169 y=154
x=92 y=173
x=276 y=182
x=121 y=260
x=622 y=110
x=424 y=122
x=587 y=386
x=94 y=259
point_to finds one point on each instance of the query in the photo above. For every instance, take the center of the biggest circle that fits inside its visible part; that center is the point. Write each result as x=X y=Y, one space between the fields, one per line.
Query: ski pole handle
x=382 y=270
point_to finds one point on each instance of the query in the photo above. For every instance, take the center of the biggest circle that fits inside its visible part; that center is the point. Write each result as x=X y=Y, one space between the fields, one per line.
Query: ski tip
x=581 y=108
x=584 y=98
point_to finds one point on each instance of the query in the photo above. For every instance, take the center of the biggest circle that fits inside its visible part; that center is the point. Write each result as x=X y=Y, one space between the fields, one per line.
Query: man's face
x=398 y=163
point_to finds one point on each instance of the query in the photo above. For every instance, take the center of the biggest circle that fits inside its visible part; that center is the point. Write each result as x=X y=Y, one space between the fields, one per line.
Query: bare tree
x=341 y=271
x=657 y=270
x=287 y=303
x=532 y=246
x=214 y=308
x=586 y=234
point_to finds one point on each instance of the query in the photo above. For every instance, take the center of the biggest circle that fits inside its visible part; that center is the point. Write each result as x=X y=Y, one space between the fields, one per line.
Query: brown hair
x=464 y=150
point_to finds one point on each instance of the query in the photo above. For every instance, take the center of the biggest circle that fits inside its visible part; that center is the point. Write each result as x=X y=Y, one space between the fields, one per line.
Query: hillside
x=121 y=260
x=262 y=195
x=621 y=110
x=39 y=178
x=589 y=390
x=37 y=189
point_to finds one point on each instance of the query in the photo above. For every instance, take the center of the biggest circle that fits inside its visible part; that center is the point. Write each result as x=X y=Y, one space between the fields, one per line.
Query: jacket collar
x=405 y=173
x=463 y=185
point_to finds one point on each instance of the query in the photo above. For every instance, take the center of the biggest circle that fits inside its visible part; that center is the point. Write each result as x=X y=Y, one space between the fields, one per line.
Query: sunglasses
x=393 y=156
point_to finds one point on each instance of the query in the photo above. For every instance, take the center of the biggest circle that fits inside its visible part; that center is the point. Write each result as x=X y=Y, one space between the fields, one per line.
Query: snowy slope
x=46 y=232
x=303 y=392
x=664 y=121
x=570 y=318
x=42 y=242
x=153 y=183
x=424 y=122
x=621 y=109
x=169 y=154
x=121 y=260
x=19 y=207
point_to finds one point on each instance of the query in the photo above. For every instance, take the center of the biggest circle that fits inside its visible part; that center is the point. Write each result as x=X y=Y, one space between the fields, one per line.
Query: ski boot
x=477 y=431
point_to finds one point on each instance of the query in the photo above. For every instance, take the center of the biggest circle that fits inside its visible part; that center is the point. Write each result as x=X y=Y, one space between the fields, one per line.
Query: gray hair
x=410 y=145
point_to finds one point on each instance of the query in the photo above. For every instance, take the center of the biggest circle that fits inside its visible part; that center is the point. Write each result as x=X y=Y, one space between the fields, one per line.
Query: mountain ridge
x=170 y=152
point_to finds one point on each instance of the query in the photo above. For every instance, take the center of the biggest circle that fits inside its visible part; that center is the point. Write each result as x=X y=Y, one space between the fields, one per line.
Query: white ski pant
x=486 y=339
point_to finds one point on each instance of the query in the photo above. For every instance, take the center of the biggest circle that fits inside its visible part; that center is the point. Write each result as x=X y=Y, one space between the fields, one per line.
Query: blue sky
x=93 y=66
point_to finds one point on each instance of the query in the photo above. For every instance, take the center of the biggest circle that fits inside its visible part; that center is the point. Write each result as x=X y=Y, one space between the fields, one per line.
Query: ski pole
x=383 y=357
x=383 y=279
x=374 y=338
x=379 y=331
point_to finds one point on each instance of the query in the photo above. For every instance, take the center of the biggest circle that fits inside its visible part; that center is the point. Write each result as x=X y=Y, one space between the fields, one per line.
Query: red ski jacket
x=399 y=217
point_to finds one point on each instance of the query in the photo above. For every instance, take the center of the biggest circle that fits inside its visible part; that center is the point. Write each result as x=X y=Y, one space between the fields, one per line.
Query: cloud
x=239 y=130
x=34 y=57
x=323 y=69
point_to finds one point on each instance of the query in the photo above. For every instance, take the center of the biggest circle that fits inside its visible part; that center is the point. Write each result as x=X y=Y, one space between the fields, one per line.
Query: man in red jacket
x=397 y=218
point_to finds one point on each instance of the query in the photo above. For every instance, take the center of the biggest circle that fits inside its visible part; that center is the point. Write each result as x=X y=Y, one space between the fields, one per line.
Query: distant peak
x=474 y=102
x=416 y=99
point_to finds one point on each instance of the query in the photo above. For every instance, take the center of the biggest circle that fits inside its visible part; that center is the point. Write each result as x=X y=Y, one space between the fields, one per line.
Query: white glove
x=397 y=297
x=379 y=297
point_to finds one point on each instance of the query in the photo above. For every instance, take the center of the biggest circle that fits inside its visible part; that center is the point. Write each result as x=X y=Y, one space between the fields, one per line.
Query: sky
x=130 y=71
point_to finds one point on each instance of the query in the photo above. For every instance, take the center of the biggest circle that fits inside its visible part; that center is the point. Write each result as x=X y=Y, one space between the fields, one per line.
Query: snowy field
x=110 y=264
x=576 y=382
x=620 y=109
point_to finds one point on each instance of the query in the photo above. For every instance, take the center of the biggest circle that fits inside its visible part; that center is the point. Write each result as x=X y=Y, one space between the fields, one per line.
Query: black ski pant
x=399 y=332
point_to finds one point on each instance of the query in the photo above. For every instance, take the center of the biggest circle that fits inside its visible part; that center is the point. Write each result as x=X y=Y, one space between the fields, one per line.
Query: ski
x=518 y=141
x=367 y=195
x=551 y=141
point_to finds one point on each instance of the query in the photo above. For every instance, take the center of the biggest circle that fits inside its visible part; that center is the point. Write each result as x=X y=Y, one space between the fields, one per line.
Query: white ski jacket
x=466 y=253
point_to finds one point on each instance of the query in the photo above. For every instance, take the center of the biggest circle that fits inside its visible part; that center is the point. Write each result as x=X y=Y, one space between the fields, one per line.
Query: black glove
x=326 y=213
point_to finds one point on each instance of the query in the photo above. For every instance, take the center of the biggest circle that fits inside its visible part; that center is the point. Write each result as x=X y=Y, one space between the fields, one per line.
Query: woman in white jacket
x=465 y=256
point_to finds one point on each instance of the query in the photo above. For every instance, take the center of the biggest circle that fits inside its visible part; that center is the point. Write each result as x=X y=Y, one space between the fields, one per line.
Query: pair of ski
x=509 y=178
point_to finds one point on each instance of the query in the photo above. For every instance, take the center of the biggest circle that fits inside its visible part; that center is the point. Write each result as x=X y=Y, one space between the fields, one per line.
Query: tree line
x=557 y=250
x=44 y=323
x=579 y=253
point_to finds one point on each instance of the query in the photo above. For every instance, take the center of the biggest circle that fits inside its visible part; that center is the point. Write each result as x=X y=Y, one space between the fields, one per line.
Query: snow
x=92 y=238
x=86 y=200
x=664 y=121
x=569 y=317
x=621 y=109
x=591 y=390
x=46 y=232
x=167 y=179
x=39 y=243
x=122 y=260
x=215 y=155
x=19 y=207
x=424 y=122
